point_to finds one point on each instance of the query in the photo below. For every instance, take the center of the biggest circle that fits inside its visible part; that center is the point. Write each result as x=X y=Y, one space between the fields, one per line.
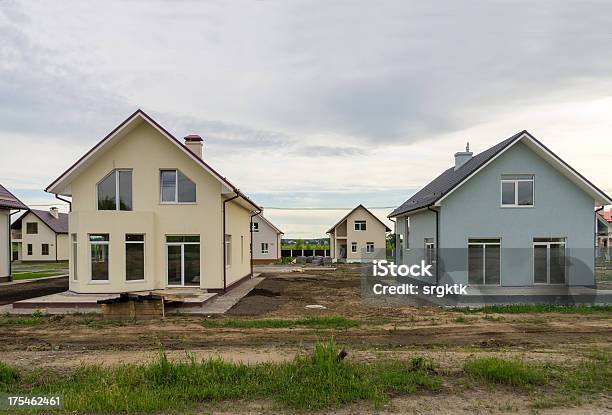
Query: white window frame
x=144 y=252
x=182 y=245
x=548 y=244
x=353 y=247
x=75 y=246
x=255 y=226
x=228 y=250
x=90 y=243
x=357 y=226
x=176 y=201
x=516 y=182
x=370 y=247
x=117 y=196
x=493 y=241
x=265 y=250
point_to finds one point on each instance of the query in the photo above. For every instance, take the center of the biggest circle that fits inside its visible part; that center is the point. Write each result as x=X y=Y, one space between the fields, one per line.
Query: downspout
x=64 y=200
x=394 y=240
x=10 y=258
x=251 y=241
x=56 y=261
x=437 y=242
x=223 y=237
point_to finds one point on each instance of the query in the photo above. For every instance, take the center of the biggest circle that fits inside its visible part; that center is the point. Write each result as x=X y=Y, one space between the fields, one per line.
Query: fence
x=285 y=253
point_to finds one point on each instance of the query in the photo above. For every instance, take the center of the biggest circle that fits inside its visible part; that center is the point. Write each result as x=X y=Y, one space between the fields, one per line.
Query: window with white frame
x=99 y=257
x=175 y=187
x=484 y=261
x=264 y=247
x=430 y=249
x=353 y=247
x=517 y=190
x=134 y=257
x=255 y=226
x=44 y=249
x=360 y=225
x=228 y=250
x=74 y=256
x=369 y=247
x=114 y=192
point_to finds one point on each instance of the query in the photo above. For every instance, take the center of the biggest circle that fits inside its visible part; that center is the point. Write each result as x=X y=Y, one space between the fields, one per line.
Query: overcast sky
x=307 y=104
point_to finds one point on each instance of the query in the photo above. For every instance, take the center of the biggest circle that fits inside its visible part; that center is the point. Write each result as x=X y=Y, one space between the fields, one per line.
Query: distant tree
x=391 y=241
x=299 y=244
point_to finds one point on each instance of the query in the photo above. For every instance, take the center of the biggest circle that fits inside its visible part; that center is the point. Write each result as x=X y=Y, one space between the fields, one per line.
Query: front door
x=549 y=261
x=183 y=261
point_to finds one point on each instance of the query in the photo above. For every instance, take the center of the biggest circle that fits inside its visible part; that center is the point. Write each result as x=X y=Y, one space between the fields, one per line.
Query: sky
x=306 y=104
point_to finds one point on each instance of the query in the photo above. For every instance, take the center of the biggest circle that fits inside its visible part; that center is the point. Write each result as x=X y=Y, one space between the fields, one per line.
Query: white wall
x=266 y=234
x=5 y=263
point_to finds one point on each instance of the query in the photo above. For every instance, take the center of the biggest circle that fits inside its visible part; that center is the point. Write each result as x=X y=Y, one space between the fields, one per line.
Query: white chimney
x=54 y=212
x=195 y=144
x=463 y=157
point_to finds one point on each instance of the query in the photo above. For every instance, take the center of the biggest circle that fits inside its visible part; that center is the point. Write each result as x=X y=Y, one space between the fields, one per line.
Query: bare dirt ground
x=449 y=337
x=9 y=293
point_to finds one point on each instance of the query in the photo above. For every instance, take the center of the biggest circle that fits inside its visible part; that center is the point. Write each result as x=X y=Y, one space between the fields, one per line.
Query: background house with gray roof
x=514 y=215
x=40 y=235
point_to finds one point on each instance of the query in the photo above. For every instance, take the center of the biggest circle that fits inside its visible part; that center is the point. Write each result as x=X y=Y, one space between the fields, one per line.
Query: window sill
x=516 y=206
x=99 y=282
x=177 y=203
x=134 y=281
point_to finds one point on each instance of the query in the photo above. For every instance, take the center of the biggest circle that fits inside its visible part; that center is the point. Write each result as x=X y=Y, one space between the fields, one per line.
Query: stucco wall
x=266 y=234
x=44 y=236
x=561 y=210
x=238 y=222
x=146 y=152
x=4 y=244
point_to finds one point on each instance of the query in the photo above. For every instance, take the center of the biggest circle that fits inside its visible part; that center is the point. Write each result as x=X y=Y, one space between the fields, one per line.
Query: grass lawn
x=35 y=270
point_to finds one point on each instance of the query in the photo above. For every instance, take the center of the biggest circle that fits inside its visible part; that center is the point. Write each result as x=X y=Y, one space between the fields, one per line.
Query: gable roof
x=9 y=200
x=443 y=185
x=261 y=216
x=59 y=185
x=349 y=214
x=59 y=225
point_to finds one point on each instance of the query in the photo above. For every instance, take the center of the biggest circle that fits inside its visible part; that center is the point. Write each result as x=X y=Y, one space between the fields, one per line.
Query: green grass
x=504 y=372
x=529 y=308
x=310 y=382
x=332 y=322
x=37 y=274
x=21 y=321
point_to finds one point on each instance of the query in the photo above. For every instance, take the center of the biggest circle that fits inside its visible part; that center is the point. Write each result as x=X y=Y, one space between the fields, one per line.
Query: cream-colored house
x=149 y=213
x=40 y=235
x=8 y=202
x=266 y=240
x=358 y=237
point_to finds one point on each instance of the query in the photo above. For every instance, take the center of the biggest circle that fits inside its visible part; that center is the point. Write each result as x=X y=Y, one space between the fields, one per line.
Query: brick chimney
x=195 y=144
x=54 y=212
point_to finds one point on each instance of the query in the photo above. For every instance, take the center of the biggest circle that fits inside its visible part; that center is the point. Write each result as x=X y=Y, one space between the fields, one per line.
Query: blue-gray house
x=514 y=215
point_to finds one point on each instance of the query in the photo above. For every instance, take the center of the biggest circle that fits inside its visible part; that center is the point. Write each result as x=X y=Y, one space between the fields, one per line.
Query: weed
x=506 y=372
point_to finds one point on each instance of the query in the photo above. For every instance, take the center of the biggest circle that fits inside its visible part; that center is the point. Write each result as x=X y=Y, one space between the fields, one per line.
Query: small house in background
x=8 y=202
x=40 y=235
x=604 y=235
x=266 y=240
x=358 y=237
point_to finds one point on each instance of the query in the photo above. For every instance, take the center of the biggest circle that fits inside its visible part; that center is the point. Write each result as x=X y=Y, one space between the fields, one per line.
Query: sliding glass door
x=549 y=261
x=183 y=261
x=484 y=261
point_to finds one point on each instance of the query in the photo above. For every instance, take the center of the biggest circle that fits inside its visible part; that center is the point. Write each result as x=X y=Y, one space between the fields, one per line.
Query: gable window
x=115 y=191
x=134 y=257
x=44 y=249
x=264 y=247
x=175 y=187
x=369 y=247
x=99 y=257
x=517 y=191
x=30 y=249
x=255 y=226
x=353 y=247
x=31 y=228
x=360 y=225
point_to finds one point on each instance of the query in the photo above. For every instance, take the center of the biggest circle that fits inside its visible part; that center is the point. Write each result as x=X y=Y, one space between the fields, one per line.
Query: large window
x=183 y=260
x=99 y=257
x=115 y=191
x=32 y=228
x=549 y=260
x=74 y=256
x=228 y=250
x=44 y=249
x=484 y=261
x=360 y=225
x=517 y=191
x=369 y=247
x=175 y=187
x=134 y=257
